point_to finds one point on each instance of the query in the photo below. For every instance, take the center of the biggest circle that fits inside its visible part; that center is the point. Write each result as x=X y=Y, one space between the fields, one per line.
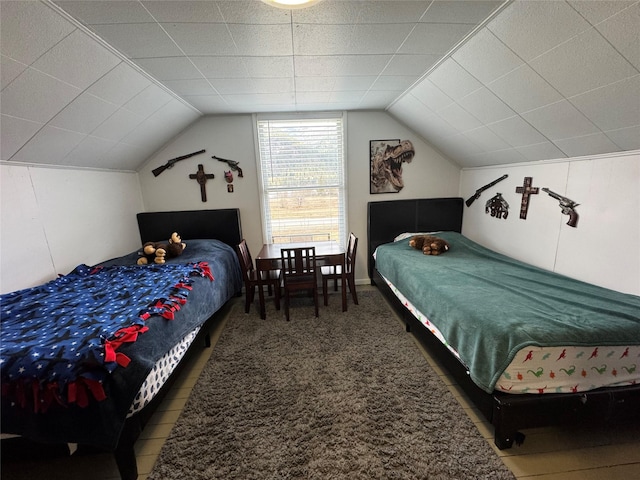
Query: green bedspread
x=488 y=306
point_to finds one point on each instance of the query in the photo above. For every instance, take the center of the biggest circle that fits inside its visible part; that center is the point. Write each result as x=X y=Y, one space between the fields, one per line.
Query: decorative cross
x=201 y=177
x=526 y=190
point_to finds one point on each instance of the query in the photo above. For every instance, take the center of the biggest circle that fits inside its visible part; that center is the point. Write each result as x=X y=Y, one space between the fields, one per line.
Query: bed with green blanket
x=529 y=346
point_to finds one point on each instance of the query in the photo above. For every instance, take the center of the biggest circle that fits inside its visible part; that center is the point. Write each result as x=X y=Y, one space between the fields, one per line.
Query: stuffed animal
x=160 y=252
x=429 y=244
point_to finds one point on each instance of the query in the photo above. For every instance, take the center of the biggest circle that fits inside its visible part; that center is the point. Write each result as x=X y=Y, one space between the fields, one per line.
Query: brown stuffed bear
x=429 y=244
x=160 y=252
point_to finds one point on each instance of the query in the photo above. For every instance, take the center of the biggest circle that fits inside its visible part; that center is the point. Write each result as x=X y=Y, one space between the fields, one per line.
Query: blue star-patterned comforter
x=75 y=350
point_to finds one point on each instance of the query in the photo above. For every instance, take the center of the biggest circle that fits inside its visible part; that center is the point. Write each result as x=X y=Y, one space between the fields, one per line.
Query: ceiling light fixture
x=290 y=4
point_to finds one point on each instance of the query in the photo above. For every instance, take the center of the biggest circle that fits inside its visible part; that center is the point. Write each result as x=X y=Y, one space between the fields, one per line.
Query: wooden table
x=327 y=252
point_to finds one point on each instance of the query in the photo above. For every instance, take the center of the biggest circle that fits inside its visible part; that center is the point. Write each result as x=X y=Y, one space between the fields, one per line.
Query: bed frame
x=223 y=225
x=507 y=413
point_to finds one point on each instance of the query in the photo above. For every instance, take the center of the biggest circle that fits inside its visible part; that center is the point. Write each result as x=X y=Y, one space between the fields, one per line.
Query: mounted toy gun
x=232 y=164
x=567 y=206
x=170 y=163
x=476 y=195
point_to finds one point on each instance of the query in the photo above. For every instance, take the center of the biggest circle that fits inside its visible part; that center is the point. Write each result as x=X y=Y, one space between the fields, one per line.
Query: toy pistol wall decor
x=567 y=205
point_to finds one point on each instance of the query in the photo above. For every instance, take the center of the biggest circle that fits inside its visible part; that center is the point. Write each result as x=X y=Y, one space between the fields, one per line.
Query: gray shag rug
x=342 y=396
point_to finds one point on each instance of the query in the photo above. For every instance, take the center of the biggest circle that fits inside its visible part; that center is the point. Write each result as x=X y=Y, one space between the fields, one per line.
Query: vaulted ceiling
x=105 y=84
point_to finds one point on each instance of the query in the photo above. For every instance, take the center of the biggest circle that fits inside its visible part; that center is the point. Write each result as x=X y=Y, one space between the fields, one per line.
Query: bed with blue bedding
x=529 y=346
x=76 y=351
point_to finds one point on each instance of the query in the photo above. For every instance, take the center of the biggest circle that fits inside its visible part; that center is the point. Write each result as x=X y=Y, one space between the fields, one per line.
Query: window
x=303 y=180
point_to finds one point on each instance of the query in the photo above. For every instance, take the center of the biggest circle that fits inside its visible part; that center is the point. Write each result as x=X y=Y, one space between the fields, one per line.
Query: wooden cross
x=201 y=177
x=526 y=190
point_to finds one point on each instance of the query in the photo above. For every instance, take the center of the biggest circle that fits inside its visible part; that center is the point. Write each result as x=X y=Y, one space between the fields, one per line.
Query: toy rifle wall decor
x=170 y=163
x=567 y=205
x=476 y=195
x=232 y=163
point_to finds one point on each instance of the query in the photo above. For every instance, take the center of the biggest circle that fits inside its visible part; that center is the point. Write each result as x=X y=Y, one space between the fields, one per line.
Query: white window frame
x=263 y=194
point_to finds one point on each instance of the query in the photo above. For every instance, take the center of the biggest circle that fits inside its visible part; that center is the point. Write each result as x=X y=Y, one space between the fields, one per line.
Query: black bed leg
x=124 y=453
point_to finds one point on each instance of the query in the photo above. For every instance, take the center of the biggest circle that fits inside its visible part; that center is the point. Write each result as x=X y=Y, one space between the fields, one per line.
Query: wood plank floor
x=554 y=453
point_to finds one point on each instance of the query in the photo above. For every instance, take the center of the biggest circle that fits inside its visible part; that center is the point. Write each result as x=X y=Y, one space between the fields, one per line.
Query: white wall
x=604 y=248
x=53 y=219
x=231 y=137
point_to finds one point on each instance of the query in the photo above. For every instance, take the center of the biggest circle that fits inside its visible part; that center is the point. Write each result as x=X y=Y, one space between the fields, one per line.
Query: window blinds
x=302 y=168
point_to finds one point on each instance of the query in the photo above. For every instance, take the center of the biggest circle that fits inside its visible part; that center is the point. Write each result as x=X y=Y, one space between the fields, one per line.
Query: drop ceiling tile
x=485 y=106
x=410 y=64
x=138 y=40
x=78 y=60
x=169 y=68
x=549 y=23
x=523 y=90
x=322 y=84
x=454 y=80
x=104 y=11
x=36 y=96
x=83 y=114
x=626 y=138
x=583 y=63
x=459 y=118
x=541 y=151
x=190 y=87
x=199 y=39
x=207 y=104
x=148 y=101
x=458 y=146
x=516 y=132
x=250 y=11
x=622 y=31
x=434 y=38
x=313 y=97
x=260 y=40
x=184 y=12
x=89 y=152
x=596 y=12
x=502 y=157
x=260 y=99
x=311 y=39
x=595 y=144
x=374 y=98
x=393 y=82
x=560 y=120
x=28 y=29
x=274 y=85
x=265 y=67
x=9 y=70
x=120 y=84
x=352 y=96
x=222 y=67
x=430 y=95
x=233 y=85
x=312 y=65
x=381 y=11
x=485 y=139
x=118 y=125
x=15 y=132
x=49 y=146
x=439 y=126
x=613 y=106
x=471 y=12
x=485 y=57
x=124 y=157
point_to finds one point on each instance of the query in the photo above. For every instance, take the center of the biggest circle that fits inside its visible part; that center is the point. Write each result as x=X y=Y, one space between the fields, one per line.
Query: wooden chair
x=299 y=273
x=257 y=278
x=334 y=271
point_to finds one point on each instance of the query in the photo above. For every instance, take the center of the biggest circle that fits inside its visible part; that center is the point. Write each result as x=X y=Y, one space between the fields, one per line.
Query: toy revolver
x=567 y=205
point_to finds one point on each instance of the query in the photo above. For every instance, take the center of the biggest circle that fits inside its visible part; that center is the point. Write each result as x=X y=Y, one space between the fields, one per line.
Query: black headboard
x=223 y=224
x=388 y=219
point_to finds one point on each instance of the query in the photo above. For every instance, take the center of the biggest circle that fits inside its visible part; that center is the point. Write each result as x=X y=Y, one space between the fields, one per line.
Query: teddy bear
x=429 y=244
x=160 y=252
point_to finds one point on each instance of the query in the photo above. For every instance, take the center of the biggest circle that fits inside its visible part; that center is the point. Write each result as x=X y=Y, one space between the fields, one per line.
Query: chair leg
x=248 y=298
x=286 y=304
x=276 y=294
x=315 y=300
x=325 y=293
x=352 y=288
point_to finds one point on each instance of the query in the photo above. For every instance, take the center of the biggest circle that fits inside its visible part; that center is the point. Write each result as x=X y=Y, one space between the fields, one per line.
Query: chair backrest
x=298 y=262
x=352 y=247
x=246 y=262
